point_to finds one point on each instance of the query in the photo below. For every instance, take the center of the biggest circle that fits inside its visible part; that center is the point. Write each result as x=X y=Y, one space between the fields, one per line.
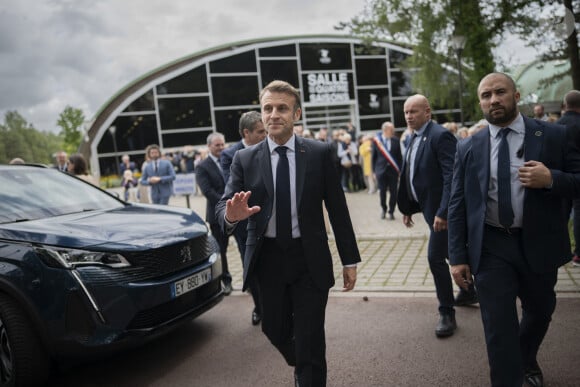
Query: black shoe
x=256 y=317
x=533 y=376
x=446 y=325
x=466 y=297
x=391 y=216
x=227 y=289
x=383 y=214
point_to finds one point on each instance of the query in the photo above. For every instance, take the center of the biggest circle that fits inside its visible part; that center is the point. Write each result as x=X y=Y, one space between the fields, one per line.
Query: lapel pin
x=538 y=133
x=424 y=138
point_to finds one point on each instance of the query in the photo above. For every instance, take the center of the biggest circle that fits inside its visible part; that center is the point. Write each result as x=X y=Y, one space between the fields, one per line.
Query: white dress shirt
x=274 y=157
x=515 y=140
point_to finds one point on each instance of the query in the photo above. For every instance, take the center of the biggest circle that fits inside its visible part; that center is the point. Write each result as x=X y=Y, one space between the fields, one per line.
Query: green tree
x=71 y=121
x=18 y=138
x=429 y=24
x=555 y=36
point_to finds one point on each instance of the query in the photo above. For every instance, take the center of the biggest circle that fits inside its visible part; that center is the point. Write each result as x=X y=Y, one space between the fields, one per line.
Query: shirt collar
x=420 y=132
x=290 y=144
x=517 y=125
x=215 y=159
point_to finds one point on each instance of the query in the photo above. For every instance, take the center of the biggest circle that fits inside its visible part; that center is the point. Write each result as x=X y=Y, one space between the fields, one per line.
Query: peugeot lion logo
x=185 y=254
x=324 y=58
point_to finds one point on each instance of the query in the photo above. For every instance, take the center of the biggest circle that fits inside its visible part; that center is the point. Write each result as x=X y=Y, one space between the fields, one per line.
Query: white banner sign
x=184 y=184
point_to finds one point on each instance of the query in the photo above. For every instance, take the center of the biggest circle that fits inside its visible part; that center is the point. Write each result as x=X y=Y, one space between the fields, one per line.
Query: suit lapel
x=218 y=175
x=422 y=140
x=480 y=151
x=301 y=156
x=533 y=139
x=265 y=165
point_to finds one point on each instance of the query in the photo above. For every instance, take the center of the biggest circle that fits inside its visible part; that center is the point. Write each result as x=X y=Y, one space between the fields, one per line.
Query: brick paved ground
x=394 y=258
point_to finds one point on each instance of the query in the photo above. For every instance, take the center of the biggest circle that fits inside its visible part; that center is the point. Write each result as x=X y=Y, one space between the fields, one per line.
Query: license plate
x=187 y=284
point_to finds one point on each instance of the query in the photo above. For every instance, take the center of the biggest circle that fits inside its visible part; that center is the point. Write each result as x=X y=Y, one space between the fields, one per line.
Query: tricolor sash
x=386 y=153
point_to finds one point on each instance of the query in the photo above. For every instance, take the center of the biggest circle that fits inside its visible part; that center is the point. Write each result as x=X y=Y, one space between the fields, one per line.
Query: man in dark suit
x=210 y=179
x=386 y=163
x=571 y=120
x=252 y=132
x=280 y=186
x=507 y=228
x=424 y=187
x=61 y=161
x=159 y=175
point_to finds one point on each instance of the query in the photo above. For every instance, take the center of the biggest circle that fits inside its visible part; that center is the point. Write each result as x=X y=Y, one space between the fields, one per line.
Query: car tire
x=23 y=359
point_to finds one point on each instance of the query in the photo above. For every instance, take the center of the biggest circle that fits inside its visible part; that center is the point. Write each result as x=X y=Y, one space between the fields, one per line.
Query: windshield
x=28 y=193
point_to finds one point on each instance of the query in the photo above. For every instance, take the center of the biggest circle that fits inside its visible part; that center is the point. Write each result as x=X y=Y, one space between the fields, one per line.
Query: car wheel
x=23 y=360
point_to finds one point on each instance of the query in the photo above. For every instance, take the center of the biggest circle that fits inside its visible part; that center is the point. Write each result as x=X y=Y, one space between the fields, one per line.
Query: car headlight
x=71 y=258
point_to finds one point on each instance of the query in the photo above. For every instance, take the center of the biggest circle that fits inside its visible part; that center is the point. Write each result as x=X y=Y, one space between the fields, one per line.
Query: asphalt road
x=385 y=341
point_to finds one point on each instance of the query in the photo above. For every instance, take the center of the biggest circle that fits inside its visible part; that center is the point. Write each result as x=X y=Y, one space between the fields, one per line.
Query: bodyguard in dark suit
x=424 y=187
x=280 y=185
x=252 y=132
x=571 y=120
x=210 y=179
x=507 y=228
x=386 y=162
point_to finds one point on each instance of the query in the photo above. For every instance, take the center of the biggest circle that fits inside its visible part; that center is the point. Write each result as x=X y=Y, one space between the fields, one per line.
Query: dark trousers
x=240 y=234
x=437 y=254
x=388 y=182
x=503 y=276
x=293 y=311
x=222 y=240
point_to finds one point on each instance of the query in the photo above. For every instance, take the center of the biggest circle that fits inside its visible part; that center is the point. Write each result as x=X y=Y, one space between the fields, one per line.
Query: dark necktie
x=409 y=166
x=283 y=215
x=504 y=192
x=156 y=167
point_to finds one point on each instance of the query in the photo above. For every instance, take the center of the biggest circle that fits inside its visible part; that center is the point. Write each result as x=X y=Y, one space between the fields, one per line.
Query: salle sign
x=328 y=87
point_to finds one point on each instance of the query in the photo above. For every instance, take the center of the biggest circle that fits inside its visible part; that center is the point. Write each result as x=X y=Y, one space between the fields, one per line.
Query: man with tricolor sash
x=386 y=162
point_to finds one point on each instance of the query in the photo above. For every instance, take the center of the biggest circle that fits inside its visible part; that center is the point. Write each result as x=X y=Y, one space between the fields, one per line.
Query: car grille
x=154 y=263
x=150 y=318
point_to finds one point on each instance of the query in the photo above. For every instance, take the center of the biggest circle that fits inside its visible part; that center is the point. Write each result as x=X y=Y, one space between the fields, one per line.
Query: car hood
x=133 y=227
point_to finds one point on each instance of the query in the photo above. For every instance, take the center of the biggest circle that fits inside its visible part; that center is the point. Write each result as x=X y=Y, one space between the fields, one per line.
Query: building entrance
x=331 y=117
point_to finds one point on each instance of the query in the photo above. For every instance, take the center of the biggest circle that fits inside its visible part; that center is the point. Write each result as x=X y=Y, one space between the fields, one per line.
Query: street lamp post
x=112 y=130
x=458 y=44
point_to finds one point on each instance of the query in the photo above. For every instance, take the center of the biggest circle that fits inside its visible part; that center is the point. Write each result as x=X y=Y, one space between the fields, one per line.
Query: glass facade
x=340 y=81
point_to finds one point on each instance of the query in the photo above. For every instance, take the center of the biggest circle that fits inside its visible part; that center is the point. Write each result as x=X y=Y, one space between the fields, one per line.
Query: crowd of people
x=497 y=197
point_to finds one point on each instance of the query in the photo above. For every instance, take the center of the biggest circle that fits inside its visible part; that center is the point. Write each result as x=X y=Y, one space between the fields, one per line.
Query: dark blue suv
x=82 y=272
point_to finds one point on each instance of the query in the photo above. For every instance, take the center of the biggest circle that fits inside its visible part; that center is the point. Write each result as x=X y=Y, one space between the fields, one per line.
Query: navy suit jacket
x=227 y=156
x=433 y=174
x=165 y=170
x=545 y=239
x=571 y=120
x=316 y=181
x=380 y=164
x=210 y=179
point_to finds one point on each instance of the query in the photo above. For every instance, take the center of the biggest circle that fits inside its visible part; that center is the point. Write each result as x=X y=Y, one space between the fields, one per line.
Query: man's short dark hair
x=282 y=87
x=248 y=120
x=572 y=100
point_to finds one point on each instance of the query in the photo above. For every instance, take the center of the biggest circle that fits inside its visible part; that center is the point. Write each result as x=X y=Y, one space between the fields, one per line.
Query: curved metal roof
x=536 y=85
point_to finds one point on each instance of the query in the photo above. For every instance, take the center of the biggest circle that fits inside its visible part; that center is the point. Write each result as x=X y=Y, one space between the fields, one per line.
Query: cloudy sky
x=55 y=53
